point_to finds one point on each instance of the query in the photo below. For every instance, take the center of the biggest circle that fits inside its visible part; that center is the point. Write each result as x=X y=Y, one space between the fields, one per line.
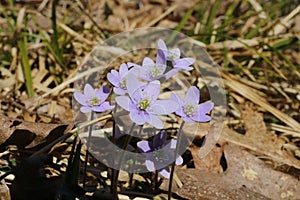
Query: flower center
x=160 y=155
x=123 y=84
x=155 y=72
x=190 y=109
x=173 y=56
x=144 y=104
x=94 y=101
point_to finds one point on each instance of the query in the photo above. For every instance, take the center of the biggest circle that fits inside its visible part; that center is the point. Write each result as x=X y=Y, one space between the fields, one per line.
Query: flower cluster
x=137 y=90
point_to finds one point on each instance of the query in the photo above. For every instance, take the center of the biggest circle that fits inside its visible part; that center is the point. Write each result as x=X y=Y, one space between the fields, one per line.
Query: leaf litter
x=269 y=128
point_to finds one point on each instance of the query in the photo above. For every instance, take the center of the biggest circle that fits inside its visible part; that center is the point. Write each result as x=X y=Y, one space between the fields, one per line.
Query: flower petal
x=150 y=165
x=103 y=107
x=115 y=80
x=160 y=57
x=175 y=53
x=173 y=144
x=152 y=90
x=88 y=90
x=180 y=110
x=119 y=91
x=205 y=107
x=144 y=146
x=179 y=160
x=130 y=64
x=148 y=61
x=159 y=140
x=86 y=109
x=101 y=94
x=171 y=73
x=164 y=107
x=139 y=117
x=165 y=172
x=123 y=70
x=124 y=102
x=200 y=117
x=155 y=121
x=192 y=96
x=132 y=84
x=184 y=63
x=162 y=45
x=80 y=98
x=189 y=119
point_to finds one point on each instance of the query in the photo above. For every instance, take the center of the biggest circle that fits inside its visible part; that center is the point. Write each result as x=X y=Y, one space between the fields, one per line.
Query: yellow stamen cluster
x=155 y=71
x=94 y=101
x=144 y=104
x=189 y=109
x=160 y=155
x=123 y=83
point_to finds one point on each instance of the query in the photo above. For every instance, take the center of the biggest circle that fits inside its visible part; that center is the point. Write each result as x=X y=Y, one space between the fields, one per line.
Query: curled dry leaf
x=28 y=134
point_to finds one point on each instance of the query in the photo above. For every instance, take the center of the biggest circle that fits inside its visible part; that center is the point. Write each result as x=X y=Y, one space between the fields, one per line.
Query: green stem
x=87 y=150
x=175 y=156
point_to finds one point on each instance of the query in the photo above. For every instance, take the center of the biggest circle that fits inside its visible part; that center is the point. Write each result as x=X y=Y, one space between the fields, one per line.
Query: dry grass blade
x=285 y=22
x=166 y=13
x=233 y=44
x=253 y=96
x=284 y=130
x=258 y=8
x=64 y=84
x=76 y=35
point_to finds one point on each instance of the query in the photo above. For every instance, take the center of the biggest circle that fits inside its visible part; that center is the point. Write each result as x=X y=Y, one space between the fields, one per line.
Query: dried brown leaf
x=209 y=163
x=247 y=178
x=28 y=134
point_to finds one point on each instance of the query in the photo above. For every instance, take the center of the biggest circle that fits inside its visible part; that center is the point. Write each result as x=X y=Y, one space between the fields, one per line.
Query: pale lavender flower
x=160 y=153
x=173 y=55
x=150 y=70
x=142 y=102
x=92 y=100
x=118 y=79
x=190 y=110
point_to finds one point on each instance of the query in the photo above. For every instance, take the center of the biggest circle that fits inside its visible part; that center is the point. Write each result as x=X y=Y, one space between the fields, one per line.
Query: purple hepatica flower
x=150 y=70
x=92 y=100
x=142 y=102
x=173 y=55
x=118 y=79
x=160 y=153
x=190 y=110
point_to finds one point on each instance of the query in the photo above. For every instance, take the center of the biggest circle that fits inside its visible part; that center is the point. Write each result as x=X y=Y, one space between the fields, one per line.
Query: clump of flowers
x=137 y=89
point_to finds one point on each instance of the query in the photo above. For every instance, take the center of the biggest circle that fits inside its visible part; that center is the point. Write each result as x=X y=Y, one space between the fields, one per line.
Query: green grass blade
x=12 y=26
x=55 y=43
x=22 y=44
x=180 y=25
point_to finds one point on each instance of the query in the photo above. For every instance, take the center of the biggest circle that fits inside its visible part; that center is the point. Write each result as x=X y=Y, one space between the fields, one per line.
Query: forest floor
x=255 y=43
